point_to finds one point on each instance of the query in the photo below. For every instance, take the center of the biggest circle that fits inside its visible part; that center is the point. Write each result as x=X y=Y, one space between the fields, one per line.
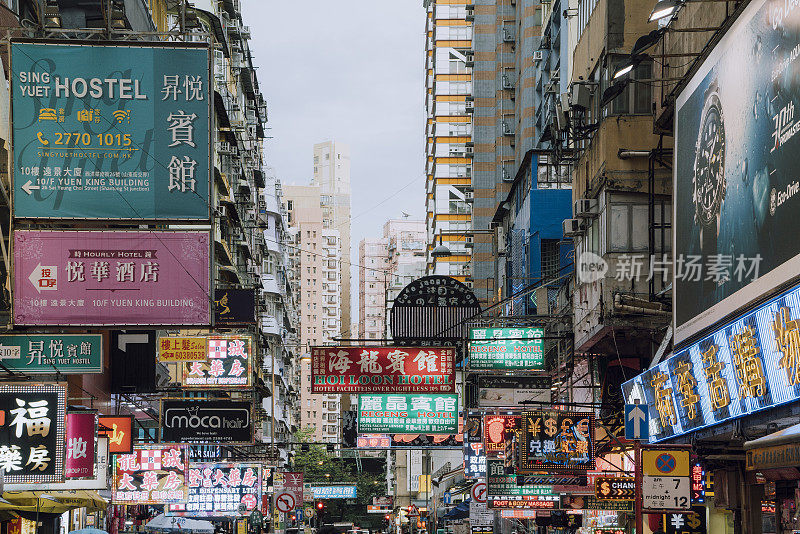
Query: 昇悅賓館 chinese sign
x=506 y=348
x=48 y=353
x=32 y=430
x=111 y=278
x=152 y=474
x=749 y=364
x=408 y=414
x=111 y=131
x=382 y=370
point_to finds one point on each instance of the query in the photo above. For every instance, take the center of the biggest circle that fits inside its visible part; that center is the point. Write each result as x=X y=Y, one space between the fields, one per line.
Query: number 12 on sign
x=666 y=493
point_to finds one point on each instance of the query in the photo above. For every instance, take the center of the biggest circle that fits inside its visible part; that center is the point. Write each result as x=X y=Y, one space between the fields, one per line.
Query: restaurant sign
x=32 y=432
x=382 y=370
x=220 y=489
x=52 y=353
x=152 y=474
x=745 y=366
x=556 y=441
x=506 y=348
x=408 y=413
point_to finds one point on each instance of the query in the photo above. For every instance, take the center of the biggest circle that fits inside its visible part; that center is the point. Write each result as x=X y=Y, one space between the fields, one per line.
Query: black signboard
x=206 y=421
x=590 y=502
x=556 y=441
x=234 y=306
x=514 y=382
x=473 y=429
x=32 y=429
x=693 y=522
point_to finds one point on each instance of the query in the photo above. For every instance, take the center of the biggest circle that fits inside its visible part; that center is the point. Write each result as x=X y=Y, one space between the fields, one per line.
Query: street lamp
x=664 y=9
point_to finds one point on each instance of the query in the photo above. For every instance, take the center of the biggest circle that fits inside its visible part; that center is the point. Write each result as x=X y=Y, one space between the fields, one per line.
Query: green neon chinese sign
x=408 y=414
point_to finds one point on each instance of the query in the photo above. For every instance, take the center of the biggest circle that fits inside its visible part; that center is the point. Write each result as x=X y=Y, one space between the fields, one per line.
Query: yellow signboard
x=787 y=455
x=665 y=462
x=182 y=349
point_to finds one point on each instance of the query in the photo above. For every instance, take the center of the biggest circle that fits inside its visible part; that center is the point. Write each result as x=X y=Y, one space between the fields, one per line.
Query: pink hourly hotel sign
x=111 y=278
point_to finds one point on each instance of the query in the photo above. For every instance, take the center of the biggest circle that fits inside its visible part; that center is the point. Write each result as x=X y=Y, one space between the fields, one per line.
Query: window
x=628 y=228
x=637 y=98
x=289 y=205
x=550 y=258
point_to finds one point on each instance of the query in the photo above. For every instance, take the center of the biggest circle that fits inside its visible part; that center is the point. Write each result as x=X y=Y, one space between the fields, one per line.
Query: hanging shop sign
x=119 y=431
x=693 y=522
x=288 y=489
x=374 y=441
x=590 y=502
x=474 y=461
x=498 y=429
x=698 y=482
x=557 y=441
x=506 y=348
x=206 y=421
x=748 y=365
x=234 y=306
x=97 y=482
x=408 y=413
x=205 y=453
x=221 y=490
x=81 y=440
x=106 y=143
x=152 y=474
x=776 y=457
x=615 y=488
x=502 y=486
x=473 y=428
x=382 y=370
x=334 y=492
x=540 y=502
x=182 y=349
x=52 y=353
x=228 y=363
x=498 y=390
x=32 y=432
x=479 y=513
x=155 y=277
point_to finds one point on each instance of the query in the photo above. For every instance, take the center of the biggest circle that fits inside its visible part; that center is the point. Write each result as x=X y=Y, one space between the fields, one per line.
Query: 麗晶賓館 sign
x=110 y=131
x=408 y=414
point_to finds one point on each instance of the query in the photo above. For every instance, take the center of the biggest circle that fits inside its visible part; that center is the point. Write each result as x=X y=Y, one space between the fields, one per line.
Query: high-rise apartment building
x=406 y=247
x=372 y=281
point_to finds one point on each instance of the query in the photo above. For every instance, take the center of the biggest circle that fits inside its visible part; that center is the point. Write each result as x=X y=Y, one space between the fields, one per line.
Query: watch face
x=709 y=166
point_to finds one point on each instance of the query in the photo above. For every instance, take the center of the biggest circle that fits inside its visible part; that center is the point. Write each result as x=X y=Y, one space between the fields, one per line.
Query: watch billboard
x=736 y=179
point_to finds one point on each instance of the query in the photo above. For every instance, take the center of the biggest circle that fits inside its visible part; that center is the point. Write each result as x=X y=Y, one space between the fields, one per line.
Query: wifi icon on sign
x=122 y=115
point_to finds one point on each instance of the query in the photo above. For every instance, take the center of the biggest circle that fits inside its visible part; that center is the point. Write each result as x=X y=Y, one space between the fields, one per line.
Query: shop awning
x=52 y=502
x=776 y=455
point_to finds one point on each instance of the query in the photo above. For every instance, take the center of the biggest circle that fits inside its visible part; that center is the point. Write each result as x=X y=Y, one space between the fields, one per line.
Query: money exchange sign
x=32 y=429
x=94 y=141
x=506 y=348
x=218 y=489
x=557 y=441
x=46 y=353
x=155 y=474
x=382 y=370
x=408 y=414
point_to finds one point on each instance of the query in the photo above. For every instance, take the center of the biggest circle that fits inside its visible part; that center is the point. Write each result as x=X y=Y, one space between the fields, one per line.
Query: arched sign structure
x=433 y=309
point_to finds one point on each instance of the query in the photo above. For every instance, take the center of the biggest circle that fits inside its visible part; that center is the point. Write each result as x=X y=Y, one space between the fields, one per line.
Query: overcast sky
x=353 y=72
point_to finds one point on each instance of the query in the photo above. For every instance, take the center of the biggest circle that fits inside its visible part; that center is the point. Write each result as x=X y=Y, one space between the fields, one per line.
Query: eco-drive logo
x=776 y=198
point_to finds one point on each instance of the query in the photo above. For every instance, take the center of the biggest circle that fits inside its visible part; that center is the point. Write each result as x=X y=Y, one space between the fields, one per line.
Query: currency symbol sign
x=550 y=427
x=605 y=489
x=694 y=520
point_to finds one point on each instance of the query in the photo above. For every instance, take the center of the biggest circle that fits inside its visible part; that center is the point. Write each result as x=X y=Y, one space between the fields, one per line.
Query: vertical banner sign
x=382 y=370
x=93 y=141
x=152 y=474
x=474 y=461
x=32 y=432
x=506 y=348
x=556 y=441
x=119 y=431
x=81 y=450
x=219 y=489
x=111 y=278
x=48 y=353
x=228 y=363
x=408 y=414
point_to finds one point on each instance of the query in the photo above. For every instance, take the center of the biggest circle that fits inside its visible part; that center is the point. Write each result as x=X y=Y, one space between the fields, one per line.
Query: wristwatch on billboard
x=708 y=181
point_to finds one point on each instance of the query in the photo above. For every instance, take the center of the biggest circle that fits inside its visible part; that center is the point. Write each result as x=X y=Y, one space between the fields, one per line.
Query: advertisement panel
x=408 y=414
x=32 y=432
x=228 y=363
x=556 y=441
x=182 y=349
x=206 y=421
x=219 y=489
x=499 y=485
x=736 y=185
x=111 y=278
x=334 y=492
x=49 y=353
x=152 y=474
x=749 y=364
x=92 y=141
x=497 y=430
x=119 y=431
x=474 y=461
x=235 y=306
x=80 y=439
x=506 y=348
x=498 y=390
x=382 y=370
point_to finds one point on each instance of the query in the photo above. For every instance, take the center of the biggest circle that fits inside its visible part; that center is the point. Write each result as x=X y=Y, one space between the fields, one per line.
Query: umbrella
x=53 y=502
x=175 y=523
x=89 y=530
x=460 y=511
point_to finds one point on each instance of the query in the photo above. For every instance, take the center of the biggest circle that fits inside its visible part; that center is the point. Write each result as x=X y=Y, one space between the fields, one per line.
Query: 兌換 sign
x=94 y=141
x=206 y=421
x=408 y=413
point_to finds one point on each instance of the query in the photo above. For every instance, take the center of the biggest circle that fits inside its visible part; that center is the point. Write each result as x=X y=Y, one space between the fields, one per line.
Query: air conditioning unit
x=507 y=175
x=508 y=35
x=586 y=208
x=469 y=196
x=469 y=241
x=538 y=55
x=572 y=227
x=501 y=241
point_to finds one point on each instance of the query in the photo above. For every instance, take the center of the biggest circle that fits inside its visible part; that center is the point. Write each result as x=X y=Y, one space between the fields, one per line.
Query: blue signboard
x=111 y=131
x=299 y=514
x=747 y=365
x=334 y=492
x=636 y=422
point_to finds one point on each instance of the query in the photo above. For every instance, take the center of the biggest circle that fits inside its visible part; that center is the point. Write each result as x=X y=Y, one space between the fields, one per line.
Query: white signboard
x=511 y=397
x=480 y=514
x=99 y=482
x=666 y=493
x=414 y=470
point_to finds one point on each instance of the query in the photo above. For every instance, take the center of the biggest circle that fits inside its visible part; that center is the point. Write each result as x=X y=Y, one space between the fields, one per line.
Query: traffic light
x=320 y=506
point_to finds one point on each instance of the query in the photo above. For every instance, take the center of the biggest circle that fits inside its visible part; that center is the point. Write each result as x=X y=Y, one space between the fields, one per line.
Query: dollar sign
x=550 y=427
x=605 y=489
x=694 y=520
